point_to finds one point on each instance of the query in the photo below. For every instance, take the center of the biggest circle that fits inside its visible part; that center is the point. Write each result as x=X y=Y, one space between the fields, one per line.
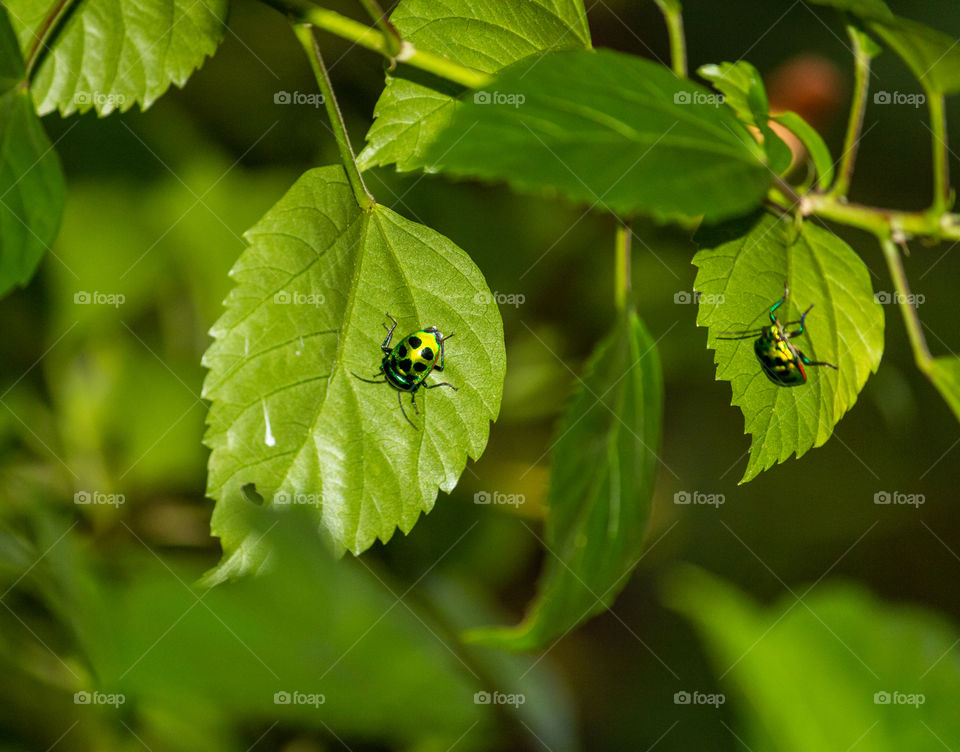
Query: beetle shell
x=779 y=359
x=412 y=360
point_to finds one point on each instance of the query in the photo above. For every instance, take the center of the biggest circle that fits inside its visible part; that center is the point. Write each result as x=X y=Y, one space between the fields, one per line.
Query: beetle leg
x=386 y=342
x=744 y=335
x=775 y=306
x=400 y=402
x=442 y=383
x=413 y=401
x=807 y=362
x=369 y=381
x=444 y=339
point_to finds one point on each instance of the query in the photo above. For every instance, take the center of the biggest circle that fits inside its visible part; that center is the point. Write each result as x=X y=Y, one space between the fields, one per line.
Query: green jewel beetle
x=406 y=366
x=781 y=360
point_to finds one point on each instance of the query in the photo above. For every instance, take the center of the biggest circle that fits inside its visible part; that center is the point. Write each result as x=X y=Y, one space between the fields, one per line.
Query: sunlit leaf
x=743 y=268
x=610 y=130
x=313 y=293
x=414 y=107
x=109 y=54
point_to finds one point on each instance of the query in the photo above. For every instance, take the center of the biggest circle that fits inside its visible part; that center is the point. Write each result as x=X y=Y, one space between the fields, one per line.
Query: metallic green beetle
x=406 y=366
x=781 y=360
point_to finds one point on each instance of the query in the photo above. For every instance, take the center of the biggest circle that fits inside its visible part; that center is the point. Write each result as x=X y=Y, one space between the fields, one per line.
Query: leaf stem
x=921 y=352
x=391 y=37
x=862 y=59
x=300 y=11
x=308 y=39
x=941 y=176
x=42 y=37
x=673 y=15
x=621 y=265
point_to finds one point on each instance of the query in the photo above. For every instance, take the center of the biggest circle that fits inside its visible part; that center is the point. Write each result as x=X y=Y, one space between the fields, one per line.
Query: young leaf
x=742 y=269
x=612 y=130
x=743 y=90
x=945 y=374
x=108 y=54
x=821 y=673
x=819 y=153
x=600 y=488
x=932 y=56
x=32 y=189
x=414 y=107
x=313 y=293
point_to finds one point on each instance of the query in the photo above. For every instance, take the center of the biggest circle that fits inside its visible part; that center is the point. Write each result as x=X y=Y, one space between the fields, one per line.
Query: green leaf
x=414 y=107
x=108 y=54
x=742 y=269
x=743 y=90
x=867 y=9
x=600 y=488
x=932 y=56
x=945 y=374
x=313 y=293
x=612 y=130
x=819 y=153
x=32 y=189
x=822 y=673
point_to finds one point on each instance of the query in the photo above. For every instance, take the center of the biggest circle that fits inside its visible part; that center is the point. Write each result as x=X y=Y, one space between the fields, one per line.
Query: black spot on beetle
x=402 y=351
x=419 y=367
x=414 y=342
x=404 y=365
x=426 y=353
